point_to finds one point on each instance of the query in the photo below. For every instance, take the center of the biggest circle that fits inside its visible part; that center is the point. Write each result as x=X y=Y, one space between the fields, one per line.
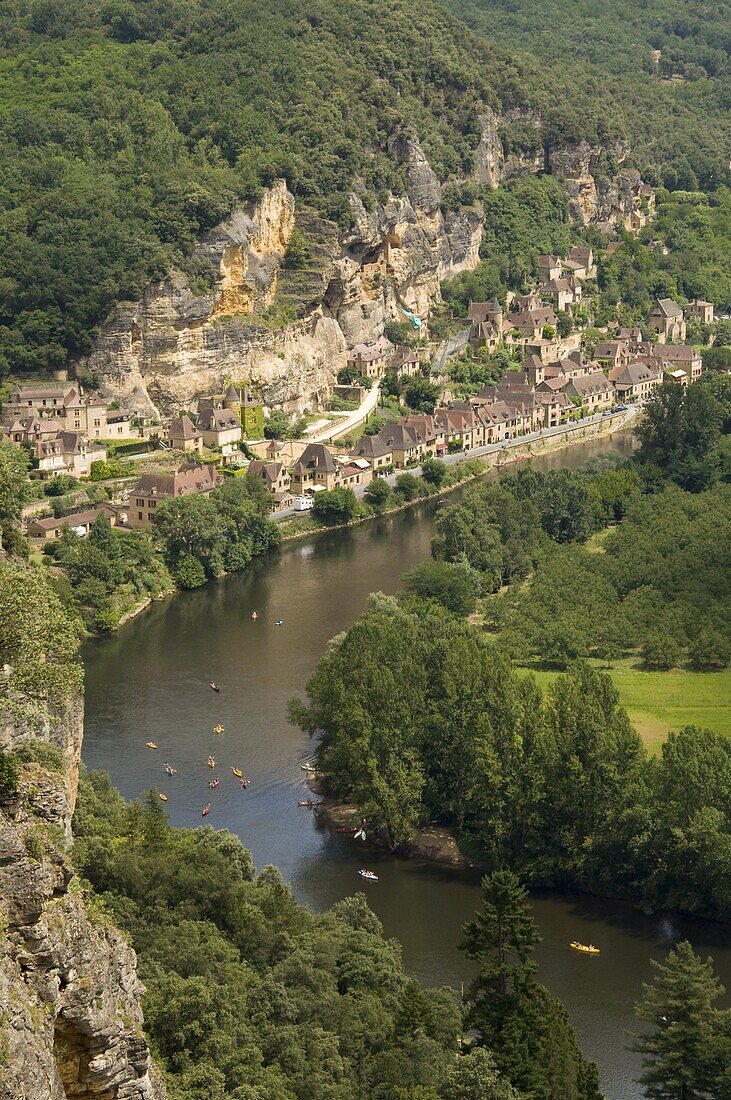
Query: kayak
x=151 y=744
x=214 y=783
x=211 y=761
x=350 y=832
x=215 y=687
x=163 y=797
x=206 y=810
x=309 y=804
x=218 y=729
x=369 y=875
x=308 y=766
x=238 y=773
x=587 y=949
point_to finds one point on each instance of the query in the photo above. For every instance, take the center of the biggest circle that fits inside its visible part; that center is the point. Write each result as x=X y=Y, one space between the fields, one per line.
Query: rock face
x=173 y=345
x=70 y=1016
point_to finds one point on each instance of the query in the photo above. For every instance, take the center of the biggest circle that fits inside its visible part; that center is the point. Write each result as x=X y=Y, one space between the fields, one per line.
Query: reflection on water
x=150 y=681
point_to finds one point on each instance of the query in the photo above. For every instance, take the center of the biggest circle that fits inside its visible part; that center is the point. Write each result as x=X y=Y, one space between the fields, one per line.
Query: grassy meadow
x=660 y=701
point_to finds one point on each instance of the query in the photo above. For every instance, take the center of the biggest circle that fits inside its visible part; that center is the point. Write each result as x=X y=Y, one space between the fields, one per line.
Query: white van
x=303 y=503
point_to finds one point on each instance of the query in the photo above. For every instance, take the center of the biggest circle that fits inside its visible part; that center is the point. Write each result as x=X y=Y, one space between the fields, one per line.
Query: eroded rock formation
x=70 y=1016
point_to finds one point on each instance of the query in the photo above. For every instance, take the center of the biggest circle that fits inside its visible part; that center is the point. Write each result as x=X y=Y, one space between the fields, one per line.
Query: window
x=152 y=504
x=140 y=516
x=140 y=504
x=151 y=516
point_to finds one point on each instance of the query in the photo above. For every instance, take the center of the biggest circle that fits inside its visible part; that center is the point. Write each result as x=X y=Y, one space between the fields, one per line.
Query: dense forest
x=130 y=127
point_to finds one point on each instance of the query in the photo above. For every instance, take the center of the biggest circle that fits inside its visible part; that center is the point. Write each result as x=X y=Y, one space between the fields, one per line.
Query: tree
x=475 y=1077
x=710 y=650
x=13 y=473
x=660 y=650
x=189 y=573
x=501 y=938
x=298 y=251
x=679 y=1051
x=408 y=486
x=420 y=394
x=378 y=494
x=333 y=506
x=9 y=777
x=433 y=471
x=453 y=586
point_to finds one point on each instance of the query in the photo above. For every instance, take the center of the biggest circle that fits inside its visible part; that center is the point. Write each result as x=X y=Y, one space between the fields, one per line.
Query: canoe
x=218 y=729
x=586 y=949
x=211 y=761
x=163 y=797
x=151 y=744
x=308 y=766
x=238 y=773
x=206 y=810
x=369 y=876
x=349 y=831
x=309 y=804
x=214 y=783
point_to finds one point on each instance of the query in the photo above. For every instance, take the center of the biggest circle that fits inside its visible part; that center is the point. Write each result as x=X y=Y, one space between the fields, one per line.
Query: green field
x=661 y=701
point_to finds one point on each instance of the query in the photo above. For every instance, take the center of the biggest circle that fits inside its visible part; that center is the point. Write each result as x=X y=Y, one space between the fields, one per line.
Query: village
x=552 y=381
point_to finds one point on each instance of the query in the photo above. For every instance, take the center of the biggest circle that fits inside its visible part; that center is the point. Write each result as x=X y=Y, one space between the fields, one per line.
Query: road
x=625 y=418
x=352 y=420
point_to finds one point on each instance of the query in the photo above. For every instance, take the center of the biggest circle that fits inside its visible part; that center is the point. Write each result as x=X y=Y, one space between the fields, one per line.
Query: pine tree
x=526 y=1029
x=683 y=1054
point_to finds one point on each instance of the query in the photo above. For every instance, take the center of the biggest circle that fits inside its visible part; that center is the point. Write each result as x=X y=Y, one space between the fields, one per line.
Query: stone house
x=678 y=357
x=549 y=267
x=53 y=528
x=666 y=321
x=405 y=443
x=612 y=354
x=119 y=424
x=150 y=489
x=405 y=362
x=529 y=323
x=459 y=426
x=50 y=457
x=374 y=449
x=184 y=436
x=698 y=310
x=430 y=431
x=594 y=391
x=486 y=325
x=63 y=401
x=636 y=381
x=315 y=468
x=584 y=257
x=276 y=479
x=355 y=472
x=371 y=360
x=561 y=293
x=556 y=407
x=220 y=429
x=545 y=349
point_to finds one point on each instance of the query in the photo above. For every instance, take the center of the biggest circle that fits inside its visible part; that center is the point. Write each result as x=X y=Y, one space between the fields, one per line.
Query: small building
x=79 y=453
x=405 y=362
x=81 y=522
x=666 y=321
x=561 y=293
x=150 y=489
x=355 y=472
x=584 y=257
x=371 y=360
x=184 y=436
x=678 y=356
x=119 y=424
x=549 y=267
x=698 y=310
x=404 y=443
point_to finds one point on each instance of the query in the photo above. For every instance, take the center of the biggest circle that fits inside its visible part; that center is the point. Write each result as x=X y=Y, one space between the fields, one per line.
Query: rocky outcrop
x=70 y=1015
x=593 y=195
x=286 y=333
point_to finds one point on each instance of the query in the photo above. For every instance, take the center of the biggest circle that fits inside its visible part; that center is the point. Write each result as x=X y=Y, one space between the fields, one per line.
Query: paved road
x=352 y=420
x=508 y=445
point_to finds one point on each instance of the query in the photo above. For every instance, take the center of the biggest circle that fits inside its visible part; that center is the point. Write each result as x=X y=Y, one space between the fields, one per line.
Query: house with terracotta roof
x=666 y=321
x=150 y=489
x=276 y=480
x=460 y=429
x=184 y=436
x=81 y=522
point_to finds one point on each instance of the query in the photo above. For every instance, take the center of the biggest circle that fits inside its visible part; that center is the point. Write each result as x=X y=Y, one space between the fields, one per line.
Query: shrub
x=9 y=776
x=408 y=486
x=433 y=471
x=378 y=494
x=335 y=506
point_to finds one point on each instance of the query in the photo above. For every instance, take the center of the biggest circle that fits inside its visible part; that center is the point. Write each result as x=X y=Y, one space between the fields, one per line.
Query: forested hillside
x=128 y=127
x=675 y=102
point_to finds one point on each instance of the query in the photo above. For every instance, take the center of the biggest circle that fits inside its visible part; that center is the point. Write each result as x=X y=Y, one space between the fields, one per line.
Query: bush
x=335 y=506
x=41 y=752
x=57 y=486
x=433 y=471
x=9 y=776
x=189 y=573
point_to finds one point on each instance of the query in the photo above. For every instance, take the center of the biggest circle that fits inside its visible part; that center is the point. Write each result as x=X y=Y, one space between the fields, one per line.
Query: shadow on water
x=150 y=682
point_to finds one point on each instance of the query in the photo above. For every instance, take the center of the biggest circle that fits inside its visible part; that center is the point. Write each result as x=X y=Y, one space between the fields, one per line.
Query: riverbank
x=496 y=456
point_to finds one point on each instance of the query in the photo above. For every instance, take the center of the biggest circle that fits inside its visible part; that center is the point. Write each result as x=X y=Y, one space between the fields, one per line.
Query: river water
x=150 y=682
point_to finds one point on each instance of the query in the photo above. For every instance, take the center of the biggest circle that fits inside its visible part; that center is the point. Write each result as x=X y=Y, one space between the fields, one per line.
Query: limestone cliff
x=286 y=332
x=70 y=1016
x=512 y=146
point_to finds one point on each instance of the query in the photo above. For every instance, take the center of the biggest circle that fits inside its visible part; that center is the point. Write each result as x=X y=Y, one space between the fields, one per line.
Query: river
x=150 y=682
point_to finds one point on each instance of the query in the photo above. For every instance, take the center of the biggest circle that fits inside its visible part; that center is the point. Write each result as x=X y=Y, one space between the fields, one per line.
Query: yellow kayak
x=587 y=949
x=238 y=773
